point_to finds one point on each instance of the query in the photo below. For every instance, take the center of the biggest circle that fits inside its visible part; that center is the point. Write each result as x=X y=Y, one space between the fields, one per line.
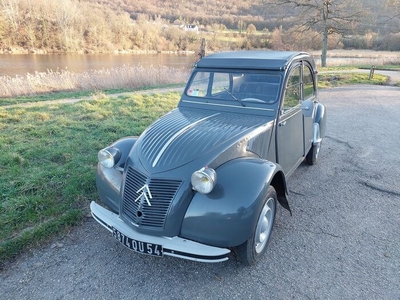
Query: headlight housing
x=108 y=157
x=204 y=180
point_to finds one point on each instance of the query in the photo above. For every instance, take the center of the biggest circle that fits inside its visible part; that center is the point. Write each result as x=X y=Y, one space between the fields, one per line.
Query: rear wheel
x=253 y=249
x=312 y=155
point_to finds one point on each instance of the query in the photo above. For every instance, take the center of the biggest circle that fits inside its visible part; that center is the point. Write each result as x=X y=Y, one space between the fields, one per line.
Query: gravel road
x=342 y=242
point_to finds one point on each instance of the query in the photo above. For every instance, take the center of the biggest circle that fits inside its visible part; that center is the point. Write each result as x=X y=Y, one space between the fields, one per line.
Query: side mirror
x=307 y=107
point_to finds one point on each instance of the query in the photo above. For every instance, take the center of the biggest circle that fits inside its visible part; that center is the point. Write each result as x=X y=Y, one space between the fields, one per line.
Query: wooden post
x=371 y=73
x=202 y=52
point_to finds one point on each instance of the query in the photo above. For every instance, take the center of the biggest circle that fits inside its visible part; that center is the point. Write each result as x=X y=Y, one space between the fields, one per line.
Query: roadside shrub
x=389 y=42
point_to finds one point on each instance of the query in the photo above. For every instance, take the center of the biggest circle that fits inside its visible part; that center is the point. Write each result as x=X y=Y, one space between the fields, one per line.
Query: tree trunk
x=324 y=47
x=325 y=15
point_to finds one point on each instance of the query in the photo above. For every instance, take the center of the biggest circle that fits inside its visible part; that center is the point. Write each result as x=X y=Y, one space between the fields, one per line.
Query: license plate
x=137 y=246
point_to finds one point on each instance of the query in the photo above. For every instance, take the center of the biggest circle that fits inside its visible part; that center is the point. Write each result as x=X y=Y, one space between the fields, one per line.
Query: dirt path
x=75 y=100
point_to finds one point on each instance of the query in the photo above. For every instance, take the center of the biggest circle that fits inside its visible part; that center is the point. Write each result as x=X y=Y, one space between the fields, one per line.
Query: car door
x=309 y=95
x=289 y=132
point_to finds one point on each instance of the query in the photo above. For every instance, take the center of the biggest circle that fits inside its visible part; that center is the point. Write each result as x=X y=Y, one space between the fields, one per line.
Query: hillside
x=87 y=26
x=378 y=14
x=203 y=11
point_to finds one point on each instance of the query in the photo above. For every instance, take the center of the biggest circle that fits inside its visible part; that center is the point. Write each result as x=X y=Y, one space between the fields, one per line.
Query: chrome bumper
x=172 y=246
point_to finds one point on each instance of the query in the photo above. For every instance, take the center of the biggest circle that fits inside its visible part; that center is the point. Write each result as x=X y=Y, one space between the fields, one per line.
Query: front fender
x=227 y=216
x=124 y=145
x=108 y=181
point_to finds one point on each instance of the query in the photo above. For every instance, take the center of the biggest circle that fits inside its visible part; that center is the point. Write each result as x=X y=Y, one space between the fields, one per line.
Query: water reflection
x=20 y=64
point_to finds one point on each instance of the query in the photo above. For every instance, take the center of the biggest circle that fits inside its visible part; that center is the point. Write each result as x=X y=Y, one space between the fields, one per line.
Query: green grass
x=338 y=76
x=48 y=159
x=339 y=68
x=74 y=94
x=334 y=79
x=384 y=68
x=362 y=67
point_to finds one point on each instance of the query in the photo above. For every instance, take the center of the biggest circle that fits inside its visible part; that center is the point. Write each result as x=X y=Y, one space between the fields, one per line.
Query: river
x=21 y=64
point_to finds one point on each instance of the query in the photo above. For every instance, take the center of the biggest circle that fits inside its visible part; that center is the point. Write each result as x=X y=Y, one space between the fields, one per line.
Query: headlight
x=108 y=157
x=204 y=180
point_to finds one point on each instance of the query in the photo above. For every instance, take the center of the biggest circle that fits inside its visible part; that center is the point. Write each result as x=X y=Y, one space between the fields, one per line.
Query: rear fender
x=227 y=216
x=320 y=119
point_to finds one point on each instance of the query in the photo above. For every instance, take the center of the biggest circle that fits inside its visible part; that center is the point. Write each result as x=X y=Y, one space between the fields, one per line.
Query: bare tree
x=325 y=16
x=241 y=25
x=251 y=29
x=66 y=13
x=394 y=8
x=11 y=10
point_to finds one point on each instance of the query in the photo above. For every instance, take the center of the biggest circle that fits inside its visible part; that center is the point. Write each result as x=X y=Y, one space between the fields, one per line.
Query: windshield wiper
x=233 y=96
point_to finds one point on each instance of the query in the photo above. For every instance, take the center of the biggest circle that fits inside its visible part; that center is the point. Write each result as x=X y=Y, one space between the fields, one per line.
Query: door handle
x=281 y=124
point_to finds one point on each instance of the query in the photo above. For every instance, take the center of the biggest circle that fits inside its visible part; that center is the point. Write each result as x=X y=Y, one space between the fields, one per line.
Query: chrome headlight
x=204 y=180
x=108 y=157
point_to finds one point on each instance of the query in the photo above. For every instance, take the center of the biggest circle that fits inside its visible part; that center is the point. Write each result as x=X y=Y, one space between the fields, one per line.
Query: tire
x=254 y=248
x=312 y=155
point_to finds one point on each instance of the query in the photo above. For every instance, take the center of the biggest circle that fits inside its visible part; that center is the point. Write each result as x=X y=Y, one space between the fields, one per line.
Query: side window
x=199 y=85
x=308 y=84
x=292 y=94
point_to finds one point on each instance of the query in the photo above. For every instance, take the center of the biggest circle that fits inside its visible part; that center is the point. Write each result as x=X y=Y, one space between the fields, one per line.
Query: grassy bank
x=49 y=153
x=48 y=160
x=332 y=78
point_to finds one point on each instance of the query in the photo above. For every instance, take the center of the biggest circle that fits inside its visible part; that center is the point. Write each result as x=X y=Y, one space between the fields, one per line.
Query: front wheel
x=253 y=249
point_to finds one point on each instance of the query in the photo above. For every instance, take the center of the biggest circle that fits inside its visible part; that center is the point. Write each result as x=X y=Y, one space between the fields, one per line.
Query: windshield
x=241 y=86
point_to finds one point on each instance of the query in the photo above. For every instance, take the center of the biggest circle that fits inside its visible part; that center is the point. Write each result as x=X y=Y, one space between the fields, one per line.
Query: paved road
x=394 y=76
x=342 y=242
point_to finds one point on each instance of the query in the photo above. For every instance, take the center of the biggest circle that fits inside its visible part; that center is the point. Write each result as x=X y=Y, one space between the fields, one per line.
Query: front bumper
x=172 y=246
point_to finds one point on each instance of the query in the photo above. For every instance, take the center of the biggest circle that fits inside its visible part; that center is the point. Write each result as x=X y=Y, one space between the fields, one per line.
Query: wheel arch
x=227 y=216
x=279 y=184
x=320 y=118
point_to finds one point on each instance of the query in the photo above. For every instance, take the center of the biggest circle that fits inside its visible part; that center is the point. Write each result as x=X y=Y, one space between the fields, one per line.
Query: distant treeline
x=97 y=26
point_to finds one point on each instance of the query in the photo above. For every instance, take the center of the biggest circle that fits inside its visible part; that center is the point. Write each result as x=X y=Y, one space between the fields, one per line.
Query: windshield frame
x=227 y=87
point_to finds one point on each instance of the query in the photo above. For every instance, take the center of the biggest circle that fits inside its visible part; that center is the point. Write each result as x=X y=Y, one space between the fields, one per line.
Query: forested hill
x=258 y=12
x=201 y=11
x=43 y=26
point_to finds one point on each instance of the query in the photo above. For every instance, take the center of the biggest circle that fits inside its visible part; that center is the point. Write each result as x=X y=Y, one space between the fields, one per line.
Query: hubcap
x=264 y=225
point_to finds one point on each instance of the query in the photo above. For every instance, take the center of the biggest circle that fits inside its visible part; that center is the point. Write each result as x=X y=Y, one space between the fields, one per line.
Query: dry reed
x=337 y=58
x=125 y=77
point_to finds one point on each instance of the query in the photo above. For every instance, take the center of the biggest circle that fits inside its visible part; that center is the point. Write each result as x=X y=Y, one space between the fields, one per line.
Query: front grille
x=139 y=212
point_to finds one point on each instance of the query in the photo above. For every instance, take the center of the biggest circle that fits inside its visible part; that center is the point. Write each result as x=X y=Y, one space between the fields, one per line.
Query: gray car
x=206 y=178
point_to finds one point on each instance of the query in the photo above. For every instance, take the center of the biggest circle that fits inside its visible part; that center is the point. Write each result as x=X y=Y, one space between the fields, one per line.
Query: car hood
x=183 y=135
